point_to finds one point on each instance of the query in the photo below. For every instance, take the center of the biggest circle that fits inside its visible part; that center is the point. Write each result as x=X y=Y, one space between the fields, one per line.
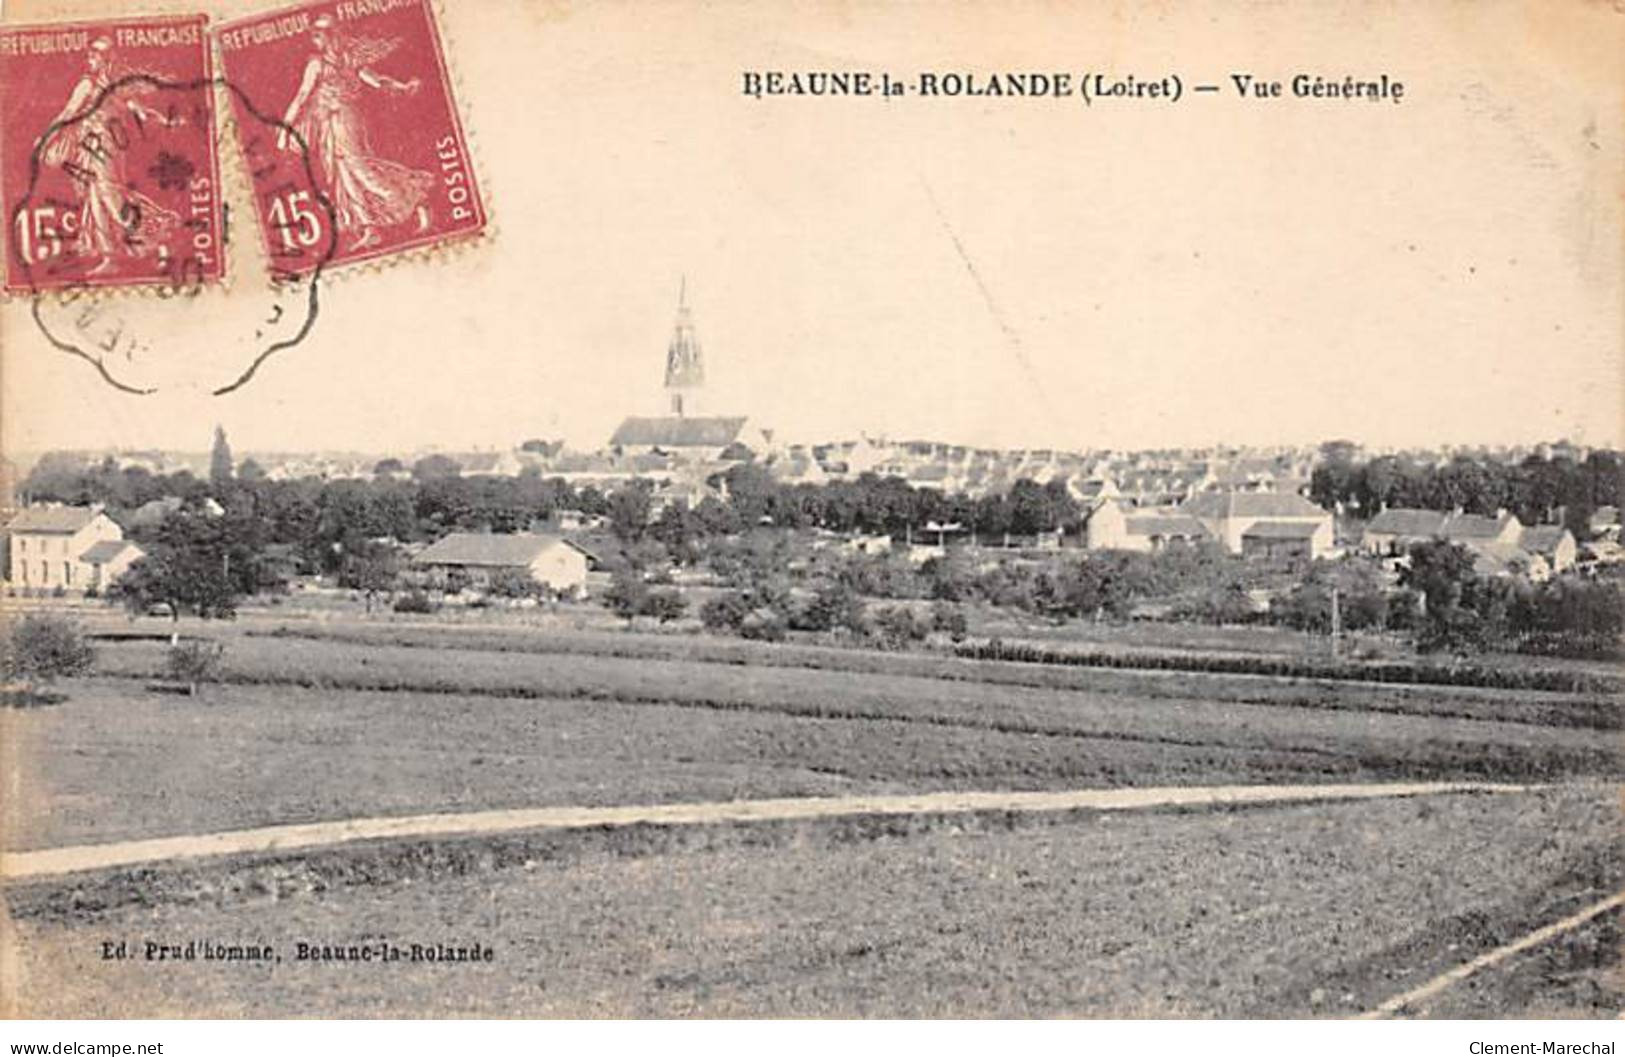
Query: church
x=683 y=432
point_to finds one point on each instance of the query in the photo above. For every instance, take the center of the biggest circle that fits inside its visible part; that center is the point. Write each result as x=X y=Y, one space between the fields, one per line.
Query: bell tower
x=685 y=366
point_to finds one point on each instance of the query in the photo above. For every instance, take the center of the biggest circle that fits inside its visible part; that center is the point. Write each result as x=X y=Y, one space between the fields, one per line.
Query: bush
x=725 y=612
x=1225 y=604
x=950 y=620
x=42 y=649
x=414 y=601
x=764 y=624
x=513 y=583
x=665 y=605
x=194 y=662
x=627 y=594
x=833 y=605
x=897 y=627
x=1397 y=671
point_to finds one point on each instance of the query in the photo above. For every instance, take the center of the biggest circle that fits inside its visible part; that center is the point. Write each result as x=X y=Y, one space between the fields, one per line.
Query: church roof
x=673 y=431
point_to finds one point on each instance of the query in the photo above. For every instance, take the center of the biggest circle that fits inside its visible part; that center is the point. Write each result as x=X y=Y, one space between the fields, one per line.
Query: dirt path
x=1416 y=997
x=52 y=861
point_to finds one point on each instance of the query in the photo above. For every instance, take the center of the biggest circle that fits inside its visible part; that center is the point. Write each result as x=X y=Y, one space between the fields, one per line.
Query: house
x=1229 y=515
x=1111 y=526
x=105 y=561
x=1554 y=543
x=1475 y=528
x=549 y=560
x=1153 y=532
x=1393 y=531
x=59 y=546
x=870 y=545
x=1291 y=541
x=1497 y=558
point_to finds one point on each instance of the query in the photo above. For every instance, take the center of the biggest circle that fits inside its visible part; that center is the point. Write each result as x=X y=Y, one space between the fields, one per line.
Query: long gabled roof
x=673 y=431
x=1280 y=530
x=1542 y=539
x=1475 y=526
x=1164 y=525
x=1250 y=504
x=1401 y=521
x=496 y=550
x=65 y=520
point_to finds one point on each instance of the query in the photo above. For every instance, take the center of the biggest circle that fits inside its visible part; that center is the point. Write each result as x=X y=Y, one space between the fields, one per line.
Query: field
x=1305 y=909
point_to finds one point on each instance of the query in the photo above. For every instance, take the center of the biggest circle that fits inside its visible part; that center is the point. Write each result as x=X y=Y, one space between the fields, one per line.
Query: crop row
x=1497 y=678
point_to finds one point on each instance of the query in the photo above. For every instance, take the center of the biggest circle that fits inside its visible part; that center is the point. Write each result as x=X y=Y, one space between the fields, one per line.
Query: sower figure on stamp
x=113 y=217
x=367 y=192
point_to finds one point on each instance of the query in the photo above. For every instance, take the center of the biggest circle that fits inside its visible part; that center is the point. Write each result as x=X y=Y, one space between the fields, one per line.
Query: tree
x=664 y=604
x=629 y=511
x=194 y=662
x=388 y=467
x=249 y=470
x=725 y=612
x=1460 y=611
x=371 y=568
x=627 y=594
x=436 y=468
x=834 y=604
x=42 y=649
x=220 y=459
x=195 y=564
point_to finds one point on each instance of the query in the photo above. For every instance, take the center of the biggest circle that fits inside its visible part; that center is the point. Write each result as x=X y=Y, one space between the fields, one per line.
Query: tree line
x=322 y=518
x=1536 y=489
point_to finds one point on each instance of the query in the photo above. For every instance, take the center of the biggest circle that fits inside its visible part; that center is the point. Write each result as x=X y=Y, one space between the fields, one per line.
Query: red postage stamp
x=348 y=128
x=108 y=169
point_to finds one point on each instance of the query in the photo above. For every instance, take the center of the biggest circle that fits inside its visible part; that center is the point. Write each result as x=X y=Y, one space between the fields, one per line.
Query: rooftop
x=673 y=431
x=497 y=550
x=1280 y=530
x=1404 y=522
x=64 y=520
x=104 y=551
x=1251 y=504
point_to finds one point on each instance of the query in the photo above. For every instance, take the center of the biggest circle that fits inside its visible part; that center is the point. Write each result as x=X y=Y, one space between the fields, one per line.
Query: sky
x=996 y=272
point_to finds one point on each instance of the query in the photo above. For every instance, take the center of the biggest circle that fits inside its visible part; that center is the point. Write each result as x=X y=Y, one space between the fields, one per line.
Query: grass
x=1300 y=911
x=306 y=729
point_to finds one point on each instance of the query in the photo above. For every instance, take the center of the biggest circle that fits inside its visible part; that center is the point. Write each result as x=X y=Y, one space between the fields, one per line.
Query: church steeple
x=685 y=368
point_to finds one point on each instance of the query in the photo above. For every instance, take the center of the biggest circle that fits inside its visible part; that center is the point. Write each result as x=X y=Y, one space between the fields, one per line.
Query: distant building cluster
x=1249 y=501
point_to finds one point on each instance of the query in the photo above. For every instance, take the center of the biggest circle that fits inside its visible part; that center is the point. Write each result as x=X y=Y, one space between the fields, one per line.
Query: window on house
x=67 y=572
x=22 y=544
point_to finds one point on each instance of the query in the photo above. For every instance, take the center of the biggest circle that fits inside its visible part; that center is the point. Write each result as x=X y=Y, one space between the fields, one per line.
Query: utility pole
x=1337 y=623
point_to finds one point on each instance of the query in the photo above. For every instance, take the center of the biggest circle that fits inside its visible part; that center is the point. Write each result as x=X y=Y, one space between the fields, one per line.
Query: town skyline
x=1011 y=275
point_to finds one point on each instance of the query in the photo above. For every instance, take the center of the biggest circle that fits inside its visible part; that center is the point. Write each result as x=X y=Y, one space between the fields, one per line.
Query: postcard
x=557 y=510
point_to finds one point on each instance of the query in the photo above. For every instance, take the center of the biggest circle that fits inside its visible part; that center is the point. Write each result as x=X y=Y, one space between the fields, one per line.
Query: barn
x=552 y=561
